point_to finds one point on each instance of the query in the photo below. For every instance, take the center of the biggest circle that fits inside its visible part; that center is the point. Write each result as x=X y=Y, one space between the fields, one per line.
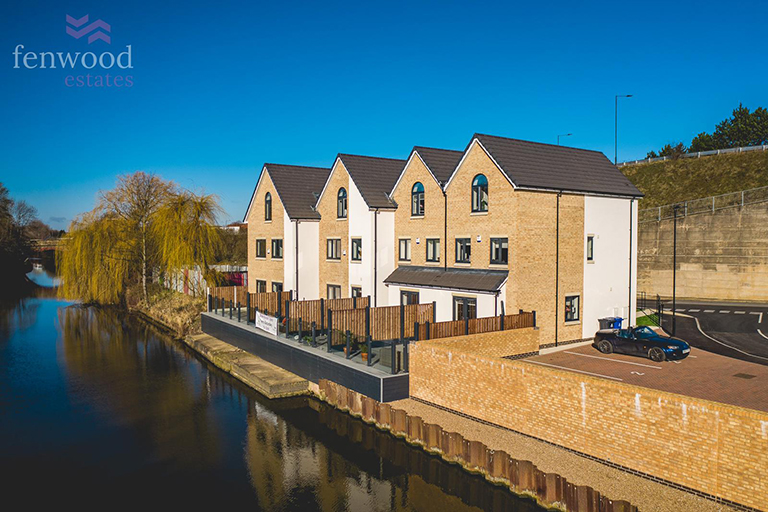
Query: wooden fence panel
x=453 y=328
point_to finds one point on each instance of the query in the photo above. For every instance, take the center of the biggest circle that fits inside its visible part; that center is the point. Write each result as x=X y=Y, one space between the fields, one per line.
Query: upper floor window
x=333 y=249
x=480 y=193
x=499 y=251
x=404 y=252
x=590 y=248
x=433 y=250
x=357 y=249
x=463 y=250
x=277 y=248
x=417 y=200
x=341 y=204
x=261 y=248
x=268 y=207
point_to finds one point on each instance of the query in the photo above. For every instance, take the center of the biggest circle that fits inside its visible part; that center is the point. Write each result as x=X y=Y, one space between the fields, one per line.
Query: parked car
x=641 y=341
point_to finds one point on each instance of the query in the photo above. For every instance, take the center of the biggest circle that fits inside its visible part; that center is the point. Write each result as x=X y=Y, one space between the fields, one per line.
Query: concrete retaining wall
x=721 y=255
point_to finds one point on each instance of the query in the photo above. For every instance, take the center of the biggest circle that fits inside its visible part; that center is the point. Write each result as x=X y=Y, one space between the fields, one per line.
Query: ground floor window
x=261 y=286
x=334 y=291
x=357 y=291
x=357 y=249
x=571 y=308
x=408 y=297
x=433 y=250
x=277 y=287
x=460 y=312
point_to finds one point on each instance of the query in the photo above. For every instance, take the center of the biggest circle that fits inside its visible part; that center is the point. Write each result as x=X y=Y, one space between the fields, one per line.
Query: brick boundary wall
x=522 y=477
x=510 y=343
x=715 y=449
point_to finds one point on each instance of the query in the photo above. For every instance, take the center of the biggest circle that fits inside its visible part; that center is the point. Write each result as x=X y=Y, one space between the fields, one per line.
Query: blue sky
x=221 y=87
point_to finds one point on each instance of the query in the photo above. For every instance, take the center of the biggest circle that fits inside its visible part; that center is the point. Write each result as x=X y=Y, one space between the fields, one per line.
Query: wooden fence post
x=434 y=311
x=465 y=308
x=501 y=321
x=322 y=314
x=329 y=332
x=368 y=324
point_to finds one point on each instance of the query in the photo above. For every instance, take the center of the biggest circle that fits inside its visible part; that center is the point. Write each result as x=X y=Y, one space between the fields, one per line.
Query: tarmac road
x=730 y=329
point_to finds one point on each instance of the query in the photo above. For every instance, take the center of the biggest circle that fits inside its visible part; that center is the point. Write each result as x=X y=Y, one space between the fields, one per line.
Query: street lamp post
x=563 y=135
x=616 y=126
x=674 y=269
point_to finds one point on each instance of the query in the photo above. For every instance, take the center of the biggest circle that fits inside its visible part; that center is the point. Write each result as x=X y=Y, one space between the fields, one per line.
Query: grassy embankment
x=693 y=178
x=177 y=312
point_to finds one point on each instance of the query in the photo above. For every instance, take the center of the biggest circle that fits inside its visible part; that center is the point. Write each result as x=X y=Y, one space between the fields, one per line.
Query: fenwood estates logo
x=81 y=28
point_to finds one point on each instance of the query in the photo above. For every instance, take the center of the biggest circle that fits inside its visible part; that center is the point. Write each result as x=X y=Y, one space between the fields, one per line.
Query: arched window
x=268 y=207
x=417 y=199
x=480 y=193
x=341 y=204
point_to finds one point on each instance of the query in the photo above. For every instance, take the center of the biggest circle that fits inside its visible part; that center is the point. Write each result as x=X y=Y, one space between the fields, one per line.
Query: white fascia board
x=476 y=141
x=402 y=173
x=253 y=196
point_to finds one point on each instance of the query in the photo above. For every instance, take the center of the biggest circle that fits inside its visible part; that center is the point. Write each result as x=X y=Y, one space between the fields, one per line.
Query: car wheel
x=605 y=347
x=656 y=354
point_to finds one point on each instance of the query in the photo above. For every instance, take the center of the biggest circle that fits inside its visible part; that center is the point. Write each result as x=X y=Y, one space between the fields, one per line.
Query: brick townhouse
x=501 y=226
x=283 y=229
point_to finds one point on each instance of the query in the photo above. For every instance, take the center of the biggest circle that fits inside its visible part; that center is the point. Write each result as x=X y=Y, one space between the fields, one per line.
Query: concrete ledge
x=266 y=378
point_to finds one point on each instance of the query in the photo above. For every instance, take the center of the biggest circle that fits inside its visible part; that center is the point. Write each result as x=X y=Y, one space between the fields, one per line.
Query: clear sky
x=221 y=87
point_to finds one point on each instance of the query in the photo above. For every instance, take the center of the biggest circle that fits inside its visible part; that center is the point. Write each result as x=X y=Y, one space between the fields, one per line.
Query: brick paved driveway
x=701 y=375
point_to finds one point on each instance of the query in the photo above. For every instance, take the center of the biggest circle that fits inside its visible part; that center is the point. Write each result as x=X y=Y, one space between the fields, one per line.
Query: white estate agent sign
x=266 y=323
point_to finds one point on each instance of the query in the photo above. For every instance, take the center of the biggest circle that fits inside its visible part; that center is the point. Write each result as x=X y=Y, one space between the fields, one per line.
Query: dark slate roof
x=480 y=280
x=374 y=177
x=533 y=164
x=442 y=162
x=297 y=186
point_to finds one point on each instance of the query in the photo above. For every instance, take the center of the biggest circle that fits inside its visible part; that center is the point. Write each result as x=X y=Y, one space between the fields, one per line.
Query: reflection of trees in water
x=142 y=381
x=17 y=316
x=326 y=460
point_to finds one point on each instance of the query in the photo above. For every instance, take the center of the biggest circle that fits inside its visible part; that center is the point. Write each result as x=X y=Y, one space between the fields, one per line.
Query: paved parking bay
x=702 y=374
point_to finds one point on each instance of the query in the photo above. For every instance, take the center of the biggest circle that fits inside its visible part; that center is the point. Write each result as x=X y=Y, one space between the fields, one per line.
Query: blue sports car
x=641 y=341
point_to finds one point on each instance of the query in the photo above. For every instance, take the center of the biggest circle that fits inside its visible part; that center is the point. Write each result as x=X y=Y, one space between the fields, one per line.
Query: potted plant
x=364 y=352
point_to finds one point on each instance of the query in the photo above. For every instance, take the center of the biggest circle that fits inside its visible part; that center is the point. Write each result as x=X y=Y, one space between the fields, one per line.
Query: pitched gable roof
x=441 y=162
x=536 y=165
x=297 y=187
x=373 y=177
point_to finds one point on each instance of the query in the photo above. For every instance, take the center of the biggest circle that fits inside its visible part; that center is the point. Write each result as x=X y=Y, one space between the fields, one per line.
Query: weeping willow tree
x=144 y=223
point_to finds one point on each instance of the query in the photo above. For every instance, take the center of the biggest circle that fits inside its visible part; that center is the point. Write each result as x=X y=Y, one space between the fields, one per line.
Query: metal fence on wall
x=698 y=154
x=704 y=205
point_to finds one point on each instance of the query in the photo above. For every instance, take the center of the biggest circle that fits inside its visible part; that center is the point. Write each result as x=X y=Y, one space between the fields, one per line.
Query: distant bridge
x=50 y=244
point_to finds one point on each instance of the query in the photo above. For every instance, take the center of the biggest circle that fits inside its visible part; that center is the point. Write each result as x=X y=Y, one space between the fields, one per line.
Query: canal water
x=99 y=410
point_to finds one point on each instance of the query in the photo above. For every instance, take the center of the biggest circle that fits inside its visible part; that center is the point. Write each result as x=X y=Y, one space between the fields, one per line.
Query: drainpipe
x=445 y=228
x=557 y=263
x=375 y=257
x=296 y=263
x=629 y=308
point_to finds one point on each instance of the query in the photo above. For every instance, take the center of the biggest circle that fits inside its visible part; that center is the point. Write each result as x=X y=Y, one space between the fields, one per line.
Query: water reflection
x=104 y=411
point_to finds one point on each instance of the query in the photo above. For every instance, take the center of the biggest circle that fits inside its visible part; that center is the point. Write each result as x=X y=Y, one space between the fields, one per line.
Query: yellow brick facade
x=267 y=269
x=715 y=448
x=528 y=219
x=418 y=229
x=334 y=272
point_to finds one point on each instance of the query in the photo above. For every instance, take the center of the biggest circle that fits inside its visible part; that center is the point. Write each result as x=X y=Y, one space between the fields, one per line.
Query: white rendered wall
x=309 y=259
x=359 y=219
x=486 y=303
x=385 y=229
x=289 y=253
x=606 y=279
